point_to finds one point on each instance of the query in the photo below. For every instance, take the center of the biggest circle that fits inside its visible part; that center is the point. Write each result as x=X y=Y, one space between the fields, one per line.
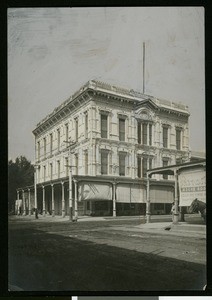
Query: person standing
x=173 y=211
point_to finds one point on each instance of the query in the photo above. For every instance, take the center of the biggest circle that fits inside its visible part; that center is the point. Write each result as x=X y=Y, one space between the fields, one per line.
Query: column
x=44 y=203
x=114 y=199
x=17 y=205
x=29 y=202
x=176 y=212
x=63 y=199
x=75 y=200
x=53 y=213
x=70 y=193
x=35 y=188
x=148 y=211
x=24 y=203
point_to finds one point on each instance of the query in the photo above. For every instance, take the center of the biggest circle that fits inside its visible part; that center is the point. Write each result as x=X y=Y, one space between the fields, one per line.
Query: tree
x=20 y=174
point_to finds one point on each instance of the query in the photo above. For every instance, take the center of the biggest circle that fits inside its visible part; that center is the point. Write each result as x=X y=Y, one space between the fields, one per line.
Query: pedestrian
x=173 y=211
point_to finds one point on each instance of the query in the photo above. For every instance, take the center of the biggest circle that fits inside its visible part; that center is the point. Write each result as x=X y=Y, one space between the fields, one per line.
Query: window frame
x=104 y=166
x=165 y=163
x=104 y=133
x=122 y=129
x=144 y=167
x=122 y=167
x=178 y=141
x=165 y=138
x=144 y=133
x=139 y=166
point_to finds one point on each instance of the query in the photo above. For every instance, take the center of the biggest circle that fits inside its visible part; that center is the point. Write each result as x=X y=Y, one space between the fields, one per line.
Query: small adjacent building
x=92 y=152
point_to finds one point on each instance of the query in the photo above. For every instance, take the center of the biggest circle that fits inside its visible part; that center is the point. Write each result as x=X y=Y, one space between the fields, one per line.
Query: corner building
x=108 y=137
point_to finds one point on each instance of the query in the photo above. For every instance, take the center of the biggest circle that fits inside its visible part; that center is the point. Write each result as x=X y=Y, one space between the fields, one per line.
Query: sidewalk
x=155 y=227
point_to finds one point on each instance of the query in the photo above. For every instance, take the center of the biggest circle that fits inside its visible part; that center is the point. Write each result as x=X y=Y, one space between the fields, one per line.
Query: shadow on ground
x=39 y=261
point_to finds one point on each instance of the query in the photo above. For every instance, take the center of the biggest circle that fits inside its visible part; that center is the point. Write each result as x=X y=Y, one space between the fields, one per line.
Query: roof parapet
x=119 y=91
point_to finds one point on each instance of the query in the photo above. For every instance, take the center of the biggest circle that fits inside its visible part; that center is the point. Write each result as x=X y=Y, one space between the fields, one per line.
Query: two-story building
x=96 y=147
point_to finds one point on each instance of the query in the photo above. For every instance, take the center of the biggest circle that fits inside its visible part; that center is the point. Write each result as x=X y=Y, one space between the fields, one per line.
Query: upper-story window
x=139 y=132
x=165 y=136
x=44 y=173
x=38 y=173
x=51 y=171
x=86 y=125
x=58 y=139
x=144 y=133
x=178 y=161
x=150 y=134
x=121 y=129
x=178 y=139
x=66 y=131
x=165 y=164
x=38 y=147
x=104 y=162
x=58 y=169
x=86 y=162
x=66 y=166
x=150 y=162
x=144 y=166
x=51 y=143
x=76 y=129
x=44 y=147
x=76 y=164
x=139 y=166
x=104 y=125
x=122 y=157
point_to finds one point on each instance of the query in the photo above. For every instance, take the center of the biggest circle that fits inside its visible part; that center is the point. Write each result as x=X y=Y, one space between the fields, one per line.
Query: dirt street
x=109 y=255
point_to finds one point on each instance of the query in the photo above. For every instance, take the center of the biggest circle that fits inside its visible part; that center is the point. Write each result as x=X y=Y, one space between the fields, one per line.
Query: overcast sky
x=53 y=51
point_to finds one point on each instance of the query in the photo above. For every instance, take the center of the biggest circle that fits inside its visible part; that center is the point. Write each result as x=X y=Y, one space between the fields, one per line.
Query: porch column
x=24 y=203
x=53 y=213
x=44 y=202
x=75 y=200
x=148 y=212
x=176 y=212
x=70 y=194
x=63 y=199
x=35 y=188
x=114 y=199
x=29 y=202
x=17 y=205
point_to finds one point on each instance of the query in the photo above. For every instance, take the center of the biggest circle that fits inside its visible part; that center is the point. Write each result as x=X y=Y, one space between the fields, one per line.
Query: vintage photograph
x=106 y=148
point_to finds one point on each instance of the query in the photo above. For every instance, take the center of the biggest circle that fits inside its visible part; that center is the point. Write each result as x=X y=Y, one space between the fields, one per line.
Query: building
x=197 y=156
x=94 y=150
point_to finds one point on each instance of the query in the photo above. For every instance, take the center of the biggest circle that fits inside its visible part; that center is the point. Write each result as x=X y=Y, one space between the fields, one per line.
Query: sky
x=52 y=52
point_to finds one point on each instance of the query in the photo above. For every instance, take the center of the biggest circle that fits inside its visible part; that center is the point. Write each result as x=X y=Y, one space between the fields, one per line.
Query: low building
x=94 y=150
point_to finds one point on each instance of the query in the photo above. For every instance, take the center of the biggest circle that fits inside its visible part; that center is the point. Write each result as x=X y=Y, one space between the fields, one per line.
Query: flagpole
x=143 y=67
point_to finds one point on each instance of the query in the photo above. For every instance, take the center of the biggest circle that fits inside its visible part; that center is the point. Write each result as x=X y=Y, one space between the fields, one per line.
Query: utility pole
x=70 y=181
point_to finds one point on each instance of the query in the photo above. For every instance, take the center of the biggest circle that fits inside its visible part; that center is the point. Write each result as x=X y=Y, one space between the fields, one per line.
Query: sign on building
x=192 y=185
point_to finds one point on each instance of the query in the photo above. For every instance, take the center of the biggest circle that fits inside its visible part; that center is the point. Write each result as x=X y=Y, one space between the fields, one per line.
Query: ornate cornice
x=91 y=88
